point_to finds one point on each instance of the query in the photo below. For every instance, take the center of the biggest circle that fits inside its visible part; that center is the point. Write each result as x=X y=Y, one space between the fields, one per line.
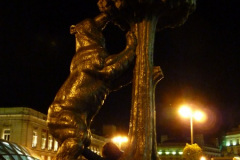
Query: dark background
x=200 y=61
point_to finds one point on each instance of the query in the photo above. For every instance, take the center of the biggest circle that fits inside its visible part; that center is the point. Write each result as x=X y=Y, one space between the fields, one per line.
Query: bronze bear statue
x=92 y=72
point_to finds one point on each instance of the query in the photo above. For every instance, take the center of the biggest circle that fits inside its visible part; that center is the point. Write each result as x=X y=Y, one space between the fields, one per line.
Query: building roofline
x=22 y=111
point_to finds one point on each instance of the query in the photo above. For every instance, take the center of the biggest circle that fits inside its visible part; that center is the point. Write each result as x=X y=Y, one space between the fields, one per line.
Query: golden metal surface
x=92 y=73
x=143 y=17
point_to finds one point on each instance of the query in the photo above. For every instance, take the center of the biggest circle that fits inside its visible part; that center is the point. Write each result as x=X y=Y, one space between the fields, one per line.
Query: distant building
x=231 y=143
x=28 y=128
x=173 y=148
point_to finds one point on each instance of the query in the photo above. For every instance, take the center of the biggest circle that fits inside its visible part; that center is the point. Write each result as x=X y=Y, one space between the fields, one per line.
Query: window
x=43 y=142
x=50 y=142
x=34 y=140
x=234 y=142
x=228 y=143
x=43 y=145
x=55 y=145
x=6 y=134
x=160 y=152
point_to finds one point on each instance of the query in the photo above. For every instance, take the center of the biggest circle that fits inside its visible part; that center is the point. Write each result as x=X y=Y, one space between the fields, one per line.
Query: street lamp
x=119 y=140
x=187 y=112
x=202 y=158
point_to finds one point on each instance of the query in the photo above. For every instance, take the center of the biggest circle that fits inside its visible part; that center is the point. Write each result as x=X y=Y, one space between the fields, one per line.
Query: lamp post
x=187 y=112
x=191 y=124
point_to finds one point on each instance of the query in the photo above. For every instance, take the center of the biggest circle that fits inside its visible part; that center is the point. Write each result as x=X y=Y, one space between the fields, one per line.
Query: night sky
x=200 y=61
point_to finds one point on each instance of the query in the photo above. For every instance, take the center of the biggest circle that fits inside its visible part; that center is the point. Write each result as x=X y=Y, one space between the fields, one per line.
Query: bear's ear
x=72 y=29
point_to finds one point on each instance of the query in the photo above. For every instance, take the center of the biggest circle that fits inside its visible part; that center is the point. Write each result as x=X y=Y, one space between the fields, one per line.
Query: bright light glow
x=203 y=158
x=167 y=153
x=185 y=111
x=173 y=152
x=119 y=140
x=180 y=153
x=160 y=152
x=198 y=115
x=227 y=143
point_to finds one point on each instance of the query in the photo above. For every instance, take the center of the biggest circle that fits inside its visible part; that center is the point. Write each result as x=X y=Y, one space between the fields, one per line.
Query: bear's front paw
x=131 y=39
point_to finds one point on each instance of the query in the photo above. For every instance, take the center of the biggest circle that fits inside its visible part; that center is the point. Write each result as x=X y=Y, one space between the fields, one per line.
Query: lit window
x=167 y=153
x=97 y=150
x=227 y=143
x=50 y=142
x=55 y=146
x=173 y=152
x=43 y=143
x=43 y=146
x=34 y=140
x=6 y=134
x=49 y=158
x=180 y=153
x=160 y=152
x=234 y=143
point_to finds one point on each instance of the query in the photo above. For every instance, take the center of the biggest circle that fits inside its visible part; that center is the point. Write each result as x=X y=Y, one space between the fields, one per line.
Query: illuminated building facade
x=28 y=128
x=172 y=149
x=231 y=143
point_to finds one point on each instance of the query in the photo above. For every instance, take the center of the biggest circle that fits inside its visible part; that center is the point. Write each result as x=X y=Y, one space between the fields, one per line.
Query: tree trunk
x=142 y=127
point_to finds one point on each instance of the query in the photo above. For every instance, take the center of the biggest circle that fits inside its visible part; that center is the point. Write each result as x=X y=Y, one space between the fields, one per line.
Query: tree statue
x=94 y=74
x=192 y=152
x=143 y=17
